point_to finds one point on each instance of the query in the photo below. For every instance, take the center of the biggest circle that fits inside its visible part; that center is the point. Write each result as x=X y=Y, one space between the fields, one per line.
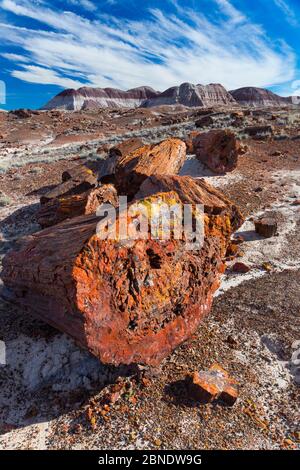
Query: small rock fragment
x=267 y=267
x=207 y=386
x=266 y=226
x=240 y=267
x=239 y=239
x=277 y=153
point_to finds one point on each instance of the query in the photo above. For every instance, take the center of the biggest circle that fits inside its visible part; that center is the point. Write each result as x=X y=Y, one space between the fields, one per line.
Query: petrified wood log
x=189 y=142
x=126 y=147
x=78 y=173
x=218 y=150
x=193 y=191
x=130 y=302
x=107 y=167
x=59 y=209
x=165 y=158
x=75 y=181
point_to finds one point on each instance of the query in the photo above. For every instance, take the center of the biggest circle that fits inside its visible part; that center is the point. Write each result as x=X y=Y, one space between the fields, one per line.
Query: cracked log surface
x=166 y=158
x=125 y=303
x=59 y=209
x=217 y=149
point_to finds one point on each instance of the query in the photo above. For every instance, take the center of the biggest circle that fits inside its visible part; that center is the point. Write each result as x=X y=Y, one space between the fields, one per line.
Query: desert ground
x=55 y=395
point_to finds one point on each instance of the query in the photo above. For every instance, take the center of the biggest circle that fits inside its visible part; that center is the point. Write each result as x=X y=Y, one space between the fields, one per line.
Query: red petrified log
x=130 y=302
x=218 y=150
x=107 y=167
x=165 y=158
x=77 y=173
x=59 y=209
x=126 y=147
x=75 y=181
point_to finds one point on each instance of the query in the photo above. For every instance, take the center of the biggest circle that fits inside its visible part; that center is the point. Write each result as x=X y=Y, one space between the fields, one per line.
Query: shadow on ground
x=45 y=374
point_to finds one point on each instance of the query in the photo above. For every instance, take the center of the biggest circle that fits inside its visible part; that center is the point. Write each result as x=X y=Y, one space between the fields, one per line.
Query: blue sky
x=47 y=46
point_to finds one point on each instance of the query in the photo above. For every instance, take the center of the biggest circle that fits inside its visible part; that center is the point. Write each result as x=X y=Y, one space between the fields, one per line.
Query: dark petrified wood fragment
x=59 y=209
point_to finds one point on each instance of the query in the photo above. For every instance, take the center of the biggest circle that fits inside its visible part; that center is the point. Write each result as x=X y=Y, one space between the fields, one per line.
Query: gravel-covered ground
x=53 y=395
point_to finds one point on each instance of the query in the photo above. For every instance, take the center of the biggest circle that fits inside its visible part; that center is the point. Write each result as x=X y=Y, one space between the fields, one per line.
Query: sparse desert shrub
x=242 y=136
x=3 y=168
x=281 y=137
x=4 y=200
x=36 y=171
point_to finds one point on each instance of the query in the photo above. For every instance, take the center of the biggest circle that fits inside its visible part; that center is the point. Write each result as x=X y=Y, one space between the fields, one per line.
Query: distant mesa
x=91 y=98
x=186 y=94
x=256 y=97
x=191 y=95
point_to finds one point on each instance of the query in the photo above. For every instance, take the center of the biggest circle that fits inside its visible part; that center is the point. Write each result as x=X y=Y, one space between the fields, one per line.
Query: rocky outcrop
x=186 y=94
x=21 y=113
x=191 y=95
x=258 y=97
x=218 y=150
x=93 y=98
x=131 y=302
x=204 y=121
x=294 y=100
x=166 y=158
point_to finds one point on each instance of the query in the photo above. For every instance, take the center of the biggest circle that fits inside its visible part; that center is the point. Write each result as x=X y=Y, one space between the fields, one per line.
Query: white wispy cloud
x=86 y=4
x=295 y=88
x=34 y=74
x=228 y=9
x=161 y=51
x=15 y=57
x=289 y=13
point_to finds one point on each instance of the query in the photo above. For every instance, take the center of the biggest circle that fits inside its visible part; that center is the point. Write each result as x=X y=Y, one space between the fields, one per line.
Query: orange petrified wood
x=165 y=158
x=131 y=302
x=215 y=383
